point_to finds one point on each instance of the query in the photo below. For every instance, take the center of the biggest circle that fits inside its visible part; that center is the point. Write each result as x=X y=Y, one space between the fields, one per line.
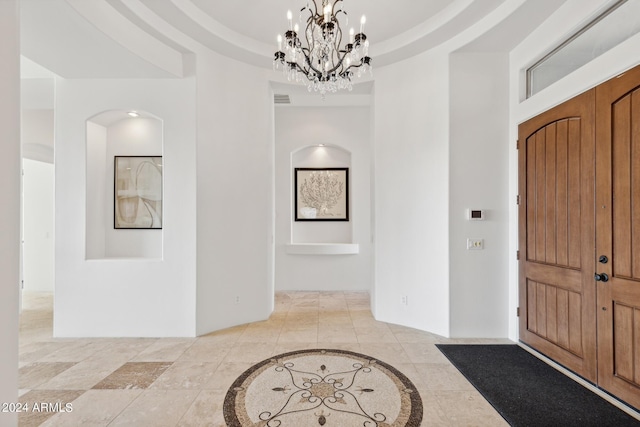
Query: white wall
x=346 y=130
x=38 y=226
x=38 y=177
x=411 y=134
x=97 y=207
x=10 y=212
x=126 y=297
x=37 y=133
x=436 y=116
x=234 y=193
x=568 y=19
x=478 y=175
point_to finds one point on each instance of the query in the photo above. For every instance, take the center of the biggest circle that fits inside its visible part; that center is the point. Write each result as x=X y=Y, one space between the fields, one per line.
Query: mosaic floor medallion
x=332 y=388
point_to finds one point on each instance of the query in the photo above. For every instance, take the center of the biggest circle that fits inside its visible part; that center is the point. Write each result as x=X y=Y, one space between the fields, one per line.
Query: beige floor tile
x=298 y=336
x=432 y=413
x=133 y=375
x=225 y=375
x=256 y=336
x=229 y=335
x=76 y=351
x=165 y=350
x=335 y=318
x=442 y=376
x=185 y=375
x=157 y=408
x=43 y=404
x=122 y=349
x=250 y=352
x=424 y=353
x=94 y=408
x=288 y=347
x=34 y=351
x=372 y=336
x=206 y=410
x=351 y=346
x=204 y=350
x=81 y=376
x=391 y=353
x=406 y=335
x=334 y=334
x=468 y=408
x=410 y=371
x=37 y=373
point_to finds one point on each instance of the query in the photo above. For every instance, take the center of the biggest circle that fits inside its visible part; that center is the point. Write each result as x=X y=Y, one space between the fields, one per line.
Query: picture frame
x=137 y=195
x=321 y=194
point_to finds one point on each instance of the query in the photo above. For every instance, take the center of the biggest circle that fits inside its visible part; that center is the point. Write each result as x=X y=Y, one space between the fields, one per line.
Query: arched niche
x=322 y=233
x=136 y=198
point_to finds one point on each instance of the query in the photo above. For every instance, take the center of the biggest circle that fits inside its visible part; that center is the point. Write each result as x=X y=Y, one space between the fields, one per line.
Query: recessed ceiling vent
x=281 y=99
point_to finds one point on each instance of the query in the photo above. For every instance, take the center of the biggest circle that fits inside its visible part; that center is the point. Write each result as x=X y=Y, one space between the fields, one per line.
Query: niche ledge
x=323 y=248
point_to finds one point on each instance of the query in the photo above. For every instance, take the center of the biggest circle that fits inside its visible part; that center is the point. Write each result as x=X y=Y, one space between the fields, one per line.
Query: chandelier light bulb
x=363 y=20
x=327 y=12
x=290 y=19
x=352 y=35
x=279 y=42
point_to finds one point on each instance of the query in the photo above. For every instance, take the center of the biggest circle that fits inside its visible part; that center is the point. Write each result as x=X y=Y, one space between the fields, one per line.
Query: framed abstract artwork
x=321 y=194
x=137 y=192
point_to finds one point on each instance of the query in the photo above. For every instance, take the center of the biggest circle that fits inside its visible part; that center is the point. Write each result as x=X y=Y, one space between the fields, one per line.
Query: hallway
x=183 y=381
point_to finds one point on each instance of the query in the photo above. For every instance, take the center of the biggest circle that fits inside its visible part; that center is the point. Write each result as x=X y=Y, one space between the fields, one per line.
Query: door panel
x=618 y=235
x=557 y=290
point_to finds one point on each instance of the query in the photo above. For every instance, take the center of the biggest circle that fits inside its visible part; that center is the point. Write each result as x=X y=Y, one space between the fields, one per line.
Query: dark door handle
x=601 y=277
x=603 y=259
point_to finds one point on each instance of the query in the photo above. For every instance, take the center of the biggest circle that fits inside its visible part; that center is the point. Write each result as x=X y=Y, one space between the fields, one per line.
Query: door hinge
x=518 y=199
x=518 y=312
x=518 y=255
x=517 y=144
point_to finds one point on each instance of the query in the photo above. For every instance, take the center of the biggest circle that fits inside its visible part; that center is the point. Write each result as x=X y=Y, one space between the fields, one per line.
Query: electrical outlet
x=237 y=299
x=475 y=244
x=404 y=300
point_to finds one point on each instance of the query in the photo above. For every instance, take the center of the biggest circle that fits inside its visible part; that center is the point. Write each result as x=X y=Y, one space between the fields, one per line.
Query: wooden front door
x=556 y=234
x=618 y=235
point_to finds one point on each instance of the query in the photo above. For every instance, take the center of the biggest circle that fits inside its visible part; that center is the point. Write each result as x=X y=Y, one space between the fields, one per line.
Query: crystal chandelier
x=322 y=64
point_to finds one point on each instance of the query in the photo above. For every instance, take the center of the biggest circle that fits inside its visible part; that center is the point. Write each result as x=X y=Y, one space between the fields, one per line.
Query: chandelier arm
x=315 y=8
x=354 y=66
x=303 y=71
x=340 y=63
x=341 y=11
x=311 y=42
x=338 y=40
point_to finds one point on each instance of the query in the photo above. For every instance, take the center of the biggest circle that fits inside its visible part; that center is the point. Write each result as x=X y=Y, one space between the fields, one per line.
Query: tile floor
x=182 y=381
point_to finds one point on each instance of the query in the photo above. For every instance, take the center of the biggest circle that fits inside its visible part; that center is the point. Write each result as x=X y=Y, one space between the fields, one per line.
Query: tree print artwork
x=321 y=194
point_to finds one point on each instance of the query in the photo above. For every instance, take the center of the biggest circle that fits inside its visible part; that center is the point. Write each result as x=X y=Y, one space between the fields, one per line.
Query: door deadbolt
x=603 y=259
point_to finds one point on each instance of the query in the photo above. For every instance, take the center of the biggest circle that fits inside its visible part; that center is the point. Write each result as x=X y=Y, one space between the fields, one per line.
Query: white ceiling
x=385 y=19
x=149 y=38
x=152 y=38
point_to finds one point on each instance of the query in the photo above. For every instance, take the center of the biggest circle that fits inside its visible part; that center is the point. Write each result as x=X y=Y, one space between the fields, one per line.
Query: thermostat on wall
x=475 y=214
